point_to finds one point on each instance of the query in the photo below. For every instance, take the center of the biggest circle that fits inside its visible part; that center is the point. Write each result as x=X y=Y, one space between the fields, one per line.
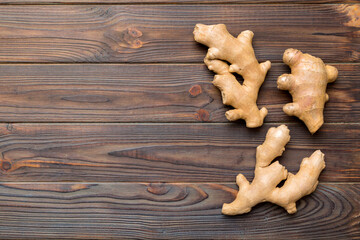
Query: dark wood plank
x=163 y=152
x=147 y=93
x=163 y=33
x=173 y=1
x=163 y=211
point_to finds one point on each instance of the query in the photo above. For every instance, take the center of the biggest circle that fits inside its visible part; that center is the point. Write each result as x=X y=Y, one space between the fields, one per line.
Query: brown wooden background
x=111 y=128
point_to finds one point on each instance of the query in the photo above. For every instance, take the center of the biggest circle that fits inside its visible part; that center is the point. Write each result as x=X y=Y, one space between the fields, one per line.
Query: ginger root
x=307 y=85
x=268 y=175
x=223 y=48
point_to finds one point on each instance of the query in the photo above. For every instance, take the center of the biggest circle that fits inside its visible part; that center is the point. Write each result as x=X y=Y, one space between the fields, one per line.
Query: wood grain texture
x=88 y=145
x=155 y=33
x=164 y=152
x=174 y=1
x=163 y=211
x=148 y=93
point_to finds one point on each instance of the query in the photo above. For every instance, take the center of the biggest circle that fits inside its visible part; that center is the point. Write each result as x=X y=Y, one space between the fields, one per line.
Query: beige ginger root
x=307 y=85
x=223 y=48
x=268 y=175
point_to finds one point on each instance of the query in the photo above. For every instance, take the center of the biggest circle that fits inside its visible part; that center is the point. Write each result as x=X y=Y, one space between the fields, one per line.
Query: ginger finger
x=240 y=54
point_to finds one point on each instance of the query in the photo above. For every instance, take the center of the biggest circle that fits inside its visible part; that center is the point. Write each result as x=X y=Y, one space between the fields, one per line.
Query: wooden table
x=111 y=128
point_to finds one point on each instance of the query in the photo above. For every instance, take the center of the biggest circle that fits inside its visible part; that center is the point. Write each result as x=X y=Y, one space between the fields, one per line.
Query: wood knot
x=202 y=115
x=137 y=43
x=134 y=32
x=9 y=127
x=124 y=38
x=5 y=165
x=195 y=90
x=158 y=188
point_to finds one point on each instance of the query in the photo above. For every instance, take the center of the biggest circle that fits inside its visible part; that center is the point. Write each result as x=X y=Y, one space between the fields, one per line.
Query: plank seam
x=162 y=123
x=220 y=3
x=136 y=182
x=144 y=63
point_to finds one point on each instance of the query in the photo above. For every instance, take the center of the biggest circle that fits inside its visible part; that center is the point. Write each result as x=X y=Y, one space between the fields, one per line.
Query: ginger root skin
x=307 y=86
x=223 y=48
x=268 y=175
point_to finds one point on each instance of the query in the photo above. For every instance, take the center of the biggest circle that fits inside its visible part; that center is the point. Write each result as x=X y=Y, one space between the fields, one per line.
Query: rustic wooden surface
x=147 y=93
x=164 y=153
x=163 y=33
x=110 y=127
x=173 y=1
x=163 y=211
